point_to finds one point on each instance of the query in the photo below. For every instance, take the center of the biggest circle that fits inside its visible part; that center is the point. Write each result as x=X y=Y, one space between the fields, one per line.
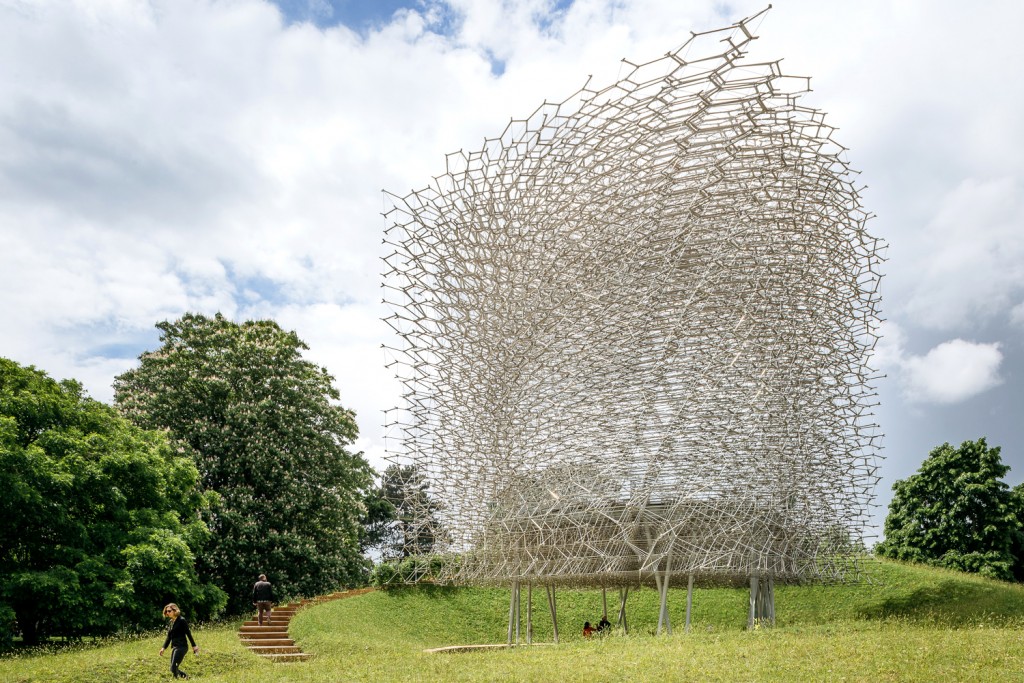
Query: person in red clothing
x=588 y=630
x=176 y=635
x=263 y=598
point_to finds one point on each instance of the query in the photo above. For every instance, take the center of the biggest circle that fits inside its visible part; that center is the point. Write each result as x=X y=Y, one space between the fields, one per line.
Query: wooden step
x=273 y=622
x=267 y=641
x=266 y=628
x=263 y=632
x=271 y=640
x=273 y=649
x=290 y=611
x=289 y=657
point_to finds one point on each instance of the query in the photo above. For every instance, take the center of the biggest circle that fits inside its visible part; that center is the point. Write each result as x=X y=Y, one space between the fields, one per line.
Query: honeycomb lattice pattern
x=634 y=334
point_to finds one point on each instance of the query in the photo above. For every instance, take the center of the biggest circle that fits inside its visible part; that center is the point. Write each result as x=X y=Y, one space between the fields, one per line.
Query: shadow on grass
x=58 y=644
x=429 y=590
x=947 y=601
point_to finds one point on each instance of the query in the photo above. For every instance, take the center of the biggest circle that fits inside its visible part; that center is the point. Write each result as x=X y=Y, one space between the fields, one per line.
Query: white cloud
x=970 y=265
x=952 y=372
x=889 y=351
x=160 y=156
x=1017 y=315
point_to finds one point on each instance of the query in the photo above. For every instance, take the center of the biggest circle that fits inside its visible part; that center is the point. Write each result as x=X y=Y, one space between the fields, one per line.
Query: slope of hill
x=902 y=623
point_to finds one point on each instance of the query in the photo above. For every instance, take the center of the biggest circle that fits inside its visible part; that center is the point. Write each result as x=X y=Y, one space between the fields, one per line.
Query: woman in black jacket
x=176 y=636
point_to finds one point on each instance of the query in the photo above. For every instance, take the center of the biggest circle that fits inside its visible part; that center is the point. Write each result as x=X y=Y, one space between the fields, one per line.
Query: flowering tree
x=268 y=436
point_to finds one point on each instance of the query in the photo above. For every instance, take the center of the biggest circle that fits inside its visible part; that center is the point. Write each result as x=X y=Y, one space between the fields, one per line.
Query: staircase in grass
x=272 y=640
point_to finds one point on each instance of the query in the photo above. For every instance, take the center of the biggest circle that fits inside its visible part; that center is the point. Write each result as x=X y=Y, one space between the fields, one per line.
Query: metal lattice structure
x=635 y=331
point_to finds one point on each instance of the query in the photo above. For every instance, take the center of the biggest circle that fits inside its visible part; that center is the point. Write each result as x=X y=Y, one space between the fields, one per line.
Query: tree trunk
x=29 y=629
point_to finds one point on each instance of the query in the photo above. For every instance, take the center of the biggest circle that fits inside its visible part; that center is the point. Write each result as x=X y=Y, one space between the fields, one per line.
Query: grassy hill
x=902 y=623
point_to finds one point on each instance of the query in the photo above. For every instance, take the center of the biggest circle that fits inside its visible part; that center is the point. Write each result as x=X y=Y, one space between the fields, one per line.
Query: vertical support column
x=604 y=602
x=554 y=610
x=518 y=607
x=661 y=609
x=666 y=581
x=529 y=613
x=689 y=601
x=763 y=600
x=752 y=615
x=511 y=611
x=663 y=617
x=623 y=594
x=664 y=602
x=759 y=604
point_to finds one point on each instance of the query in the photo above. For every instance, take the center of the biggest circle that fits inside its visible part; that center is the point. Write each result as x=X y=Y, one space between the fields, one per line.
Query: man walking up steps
x=263 y=598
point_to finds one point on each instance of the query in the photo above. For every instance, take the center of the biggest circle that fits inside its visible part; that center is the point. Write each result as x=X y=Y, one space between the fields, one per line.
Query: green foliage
x=396 y=573
x=840 y=652
x=260 y=423
x=8 y=624
x=100 y=518
x=377 y=519
x=889 y=628
x=402 y=515
x=956 y=512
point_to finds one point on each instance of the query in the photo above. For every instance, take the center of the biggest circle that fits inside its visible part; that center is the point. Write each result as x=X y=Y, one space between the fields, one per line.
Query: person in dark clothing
x=176 y=635
x=604 y=625
x=263 y=598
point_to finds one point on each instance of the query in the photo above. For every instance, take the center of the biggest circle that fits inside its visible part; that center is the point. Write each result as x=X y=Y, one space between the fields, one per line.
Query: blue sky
x=164 y=156
x=365 y=15
x=358 y=15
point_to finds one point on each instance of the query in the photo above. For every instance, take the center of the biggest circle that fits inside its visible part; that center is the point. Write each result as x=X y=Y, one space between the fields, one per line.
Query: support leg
x=661 y=597
x=752 y=615
x=554 y=610
x=759 y=603
x=663 y=618
x=529 y=613
x=689 y=601
x=519 y=619
x=511 y=611
x=623 y=594
x=664 y=602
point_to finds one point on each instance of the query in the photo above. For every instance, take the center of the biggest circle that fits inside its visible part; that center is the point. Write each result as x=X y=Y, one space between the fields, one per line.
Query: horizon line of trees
x=225 y=455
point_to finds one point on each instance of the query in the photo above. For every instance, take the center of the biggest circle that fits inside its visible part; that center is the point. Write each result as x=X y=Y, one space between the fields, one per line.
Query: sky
x=165 y=156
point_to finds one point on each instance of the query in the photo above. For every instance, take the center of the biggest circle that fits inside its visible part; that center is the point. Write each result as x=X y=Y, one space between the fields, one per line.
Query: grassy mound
x=903 y=623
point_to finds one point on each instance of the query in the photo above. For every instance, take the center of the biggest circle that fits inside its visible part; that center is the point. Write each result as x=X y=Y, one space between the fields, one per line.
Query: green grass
x=906 y=623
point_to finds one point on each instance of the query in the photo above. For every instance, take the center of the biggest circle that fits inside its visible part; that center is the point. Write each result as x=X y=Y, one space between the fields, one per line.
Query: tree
x=260 y=422
x=100 y=519
x=1017 y=547
x=412 y=527
x=956 y=512
x=378 y=517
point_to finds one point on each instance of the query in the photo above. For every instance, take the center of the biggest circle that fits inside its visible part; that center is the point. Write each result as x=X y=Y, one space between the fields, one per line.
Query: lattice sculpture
x=635 y=332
